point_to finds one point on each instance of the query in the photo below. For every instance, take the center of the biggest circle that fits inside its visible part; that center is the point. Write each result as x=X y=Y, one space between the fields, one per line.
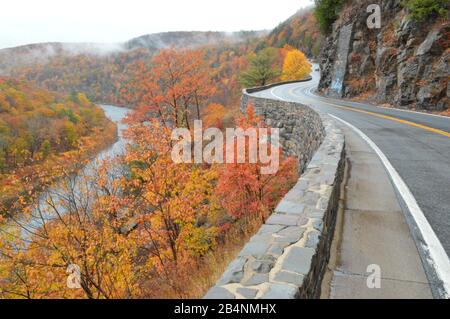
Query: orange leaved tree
x=296 y=66
x=174 y=87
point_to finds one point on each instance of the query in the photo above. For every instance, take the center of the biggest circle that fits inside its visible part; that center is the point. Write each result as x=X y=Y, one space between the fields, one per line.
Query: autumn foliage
x=140 y=225
x=244 y=191
x=300 y=31
x=174 y=87
x=141 y=231
x=296 y=66
x=41 y=134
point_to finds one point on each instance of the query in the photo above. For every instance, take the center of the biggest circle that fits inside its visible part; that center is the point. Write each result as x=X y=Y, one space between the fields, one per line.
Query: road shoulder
x=372 y=230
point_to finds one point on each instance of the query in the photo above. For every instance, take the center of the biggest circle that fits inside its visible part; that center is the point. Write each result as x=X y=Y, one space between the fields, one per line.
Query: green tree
x=316 y=49
x=2 y=160
x=5 y=142
x=326 y=13
x=424 y=9
x=70 y=135
x=73 y=117
x=261 y=69
x=45 y=148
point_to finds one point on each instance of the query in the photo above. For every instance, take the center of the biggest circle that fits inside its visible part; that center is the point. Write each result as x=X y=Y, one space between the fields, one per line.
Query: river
x=115 y=114
x=30 y=223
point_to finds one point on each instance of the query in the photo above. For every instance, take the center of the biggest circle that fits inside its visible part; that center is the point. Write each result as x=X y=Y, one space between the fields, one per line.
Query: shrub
x=326 y=13
x=424 y=9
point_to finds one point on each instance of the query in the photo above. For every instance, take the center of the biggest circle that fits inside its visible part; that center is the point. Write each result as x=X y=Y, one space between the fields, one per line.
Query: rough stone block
x=269 y=229
x=318 y=224
x=263 y=266
x=247 y=292
x=282 y=219
x=312 y=212
x=298 y=260
x=290 y=208
x=255 y=248
x=310 y=198
x=291 y=234
x=280 y=291
x=276 y=250
x=219 y=293
x=256 y=279
x=313 y=239
x=289 y=277
x=234 y=272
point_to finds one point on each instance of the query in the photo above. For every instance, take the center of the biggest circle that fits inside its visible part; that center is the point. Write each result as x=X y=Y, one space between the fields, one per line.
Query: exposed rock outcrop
x=403 y=63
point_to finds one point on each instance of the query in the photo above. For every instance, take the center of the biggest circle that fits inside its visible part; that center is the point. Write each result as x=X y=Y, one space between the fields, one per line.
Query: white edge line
x=437 y=257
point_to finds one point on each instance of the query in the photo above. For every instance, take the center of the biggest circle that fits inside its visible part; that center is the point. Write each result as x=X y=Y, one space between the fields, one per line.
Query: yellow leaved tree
x=296 y=66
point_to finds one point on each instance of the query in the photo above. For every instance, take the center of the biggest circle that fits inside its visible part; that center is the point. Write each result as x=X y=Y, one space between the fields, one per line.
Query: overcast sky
x=106 y=21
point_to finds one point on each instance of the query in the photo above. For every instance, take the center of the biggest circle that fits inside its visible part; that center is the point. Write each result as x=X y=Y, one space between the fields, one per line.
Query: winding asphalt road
x=416 y=144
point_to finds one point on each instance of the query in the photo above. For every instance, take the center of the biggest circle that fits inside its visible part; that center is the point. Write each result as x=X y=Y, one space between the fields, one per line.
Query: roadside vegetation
x=271 y=64
x=261 y=69
x=422 y=10
x=326 y=12
x=295 y=66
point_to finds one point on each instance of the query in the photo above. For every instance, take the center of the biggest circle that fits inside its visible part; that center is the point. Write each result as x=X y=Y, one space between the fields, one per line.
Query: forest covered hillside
x=191 y=39
x=99 y=70
x=40 y=130
x=300 y=31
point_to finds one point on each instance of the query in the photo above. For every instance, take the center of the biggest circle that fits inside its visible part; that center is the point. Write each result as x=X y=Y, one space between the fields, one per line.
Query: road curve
x=416 y=144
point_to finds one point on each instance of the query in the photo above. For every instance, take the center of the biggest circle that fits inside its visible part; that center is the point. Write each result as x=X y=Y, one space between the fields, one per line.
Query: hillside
x=12 y=58
x=99 y=70
x=42 y=133
x=97 y=76
x=190 y=40
x=300 y=31
x=405 y=63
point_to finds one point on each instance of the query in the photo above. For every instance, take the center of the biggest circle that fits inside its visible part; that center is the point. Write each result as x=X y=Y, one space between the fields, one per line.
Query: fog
x=115 y=21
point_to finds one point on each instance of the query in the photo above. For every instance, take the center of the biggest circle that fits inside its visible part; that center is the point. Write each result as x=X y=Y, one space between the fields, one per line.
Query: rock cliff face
x=404 y=63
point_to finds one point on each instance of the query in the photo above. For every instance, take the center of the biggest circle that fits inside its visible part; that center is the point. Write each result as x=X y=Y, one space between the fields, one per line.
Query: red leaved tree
x=247 y=193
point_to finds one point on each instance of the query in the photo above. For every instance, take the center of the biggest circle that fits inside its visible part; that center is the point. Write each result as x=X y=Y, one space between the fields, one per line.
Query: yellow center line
x=387 y=117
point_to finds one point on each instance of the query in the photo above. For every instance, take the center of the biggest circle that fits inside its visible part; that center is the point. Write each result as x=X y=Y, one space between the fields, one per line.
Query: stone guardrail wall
x=288 y=256
x=246 y=92
x=301 y=129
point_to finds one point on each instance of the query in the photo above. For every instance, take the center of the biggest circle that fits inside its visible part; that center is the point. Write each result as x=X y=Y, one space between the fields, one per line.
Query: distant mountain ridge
x=41 y=52
x=99 y=69
x=190 y=39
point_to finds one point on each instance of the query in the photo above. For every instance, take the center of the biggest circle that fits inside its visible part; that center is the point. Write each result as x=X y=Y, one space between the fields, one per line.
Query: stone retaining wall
x=301 y=129
x=288 y=255
x=247 y=92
